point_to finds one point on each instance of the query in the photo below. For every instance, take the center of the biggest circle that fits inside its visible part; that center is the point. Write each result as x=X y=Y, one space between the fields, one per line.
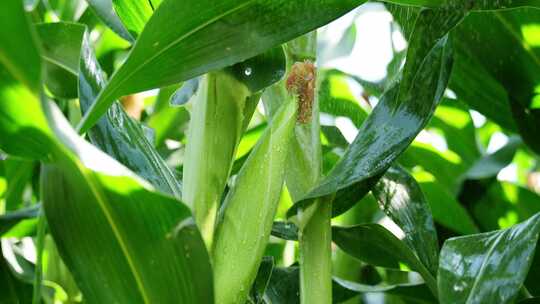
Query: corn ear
x=247 y=214
x=217 y=122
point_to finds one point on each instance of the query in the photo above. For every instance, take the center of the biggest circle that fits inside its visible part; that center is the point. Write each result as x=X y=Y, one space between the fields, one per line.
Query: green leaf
x=492 y=164
x=488 y=267
x=13 y=291
x=185 y=92
x=446 y=210
x=335 y=98
x=17 y=39
x=453 y=120
x=134 y=14
x=400 y=115
x=375 y=245
x=512 y=59
x=447 y=167
x=24 y=133
x=400 y=197
x=18 y=174
x=11 y=219
x=60 y=53
x=492 y=101
x=246 y=217
x=104 y=10
x=179 y=29
x=119 y=135
x=261 y=281
x=167 y=122
x=504 y=204
x=285 y=230
x=92 y=203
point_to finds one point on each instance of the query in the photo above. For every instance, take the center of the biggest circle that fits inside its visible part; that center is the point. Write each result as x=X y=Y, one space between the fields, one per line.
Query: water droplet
x=248 y=71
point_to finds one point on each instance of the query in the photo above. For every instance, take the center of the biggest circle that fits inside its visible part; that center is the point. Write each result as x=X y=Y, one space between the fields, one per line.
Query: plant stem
x=316 y=256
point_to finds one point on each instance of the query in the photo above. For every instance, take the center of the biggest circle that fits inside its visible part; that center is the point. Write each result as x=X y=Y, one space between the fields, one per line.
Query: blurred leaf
x=491 y=165
x=491 y=101
x=342 y=48
x=20 y=72
x=104 y=10
x=399 y=116
x=447 y=167
x=261 y=281
x=504 y=205
x=10 y=219
x=488 y=267
x=167 y=122
x=400 y=197
x=17 y=52
x=336 y=98
x=500 y=43
x=185 y=92
x=446 y=210
x=375 y=245
x=18 y=174
x=285 y=230
x=453 y=119
x=169 y=35
x=13 y=291
x=60 y=53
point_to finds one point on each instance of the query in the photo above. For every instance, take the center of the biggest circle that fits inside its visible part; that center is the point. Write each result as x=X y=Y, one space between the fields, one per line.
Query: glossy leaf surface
x=401 y=198
x=206 y=37
x=487 y=267
x=119 y=135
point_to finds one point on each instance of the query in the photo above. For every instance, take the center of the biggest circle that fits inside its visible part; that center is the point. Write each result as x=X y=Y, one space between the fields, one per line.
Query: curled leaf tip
x=301 y=83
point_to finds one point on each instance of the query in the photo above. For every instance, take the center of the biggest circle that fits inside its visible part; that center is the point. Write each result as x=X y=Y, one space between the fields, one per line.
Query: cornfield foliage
x=182 y=151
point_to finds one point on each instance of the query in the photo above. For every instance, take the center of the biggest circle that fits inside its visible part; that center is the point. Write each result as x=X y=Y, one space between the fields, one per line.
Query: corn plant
x=181 y=151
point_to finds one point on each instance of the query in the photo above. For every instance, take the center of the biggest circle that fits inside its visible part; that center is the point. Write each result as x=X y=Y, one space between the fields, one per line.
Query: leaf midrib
x=516 y=36
x=483 y=266
x=94 y=188
x=180 y=39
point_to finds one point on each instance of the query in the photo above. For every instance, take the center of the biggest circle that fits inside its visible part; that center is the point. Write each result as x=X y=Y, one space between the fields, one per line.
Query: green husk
x=216 y=126
x=248 y=211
